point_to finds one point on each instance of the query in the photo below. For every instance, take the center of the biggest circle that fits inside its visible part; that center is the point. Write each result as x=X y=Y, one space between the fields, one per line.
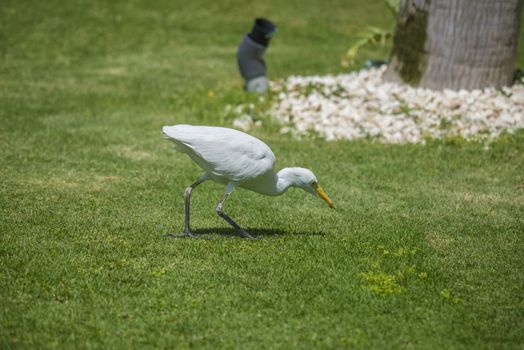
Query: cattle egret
x=236 y=159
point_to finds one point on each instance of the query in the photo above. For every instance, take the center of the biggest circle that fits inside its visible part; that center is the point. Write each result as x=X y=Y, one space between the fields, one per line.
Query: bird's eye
x=314 y=184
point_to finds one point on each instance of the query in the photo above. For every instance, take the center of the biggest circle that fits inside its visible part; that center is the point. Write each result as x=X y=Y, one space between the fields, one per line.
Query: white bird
x=236 y=159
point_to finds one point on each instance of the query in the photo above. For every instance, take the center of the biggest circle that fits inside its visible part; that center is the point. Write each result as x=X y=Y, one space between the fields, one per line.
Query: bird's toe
x=187 y=234
x=245 y=234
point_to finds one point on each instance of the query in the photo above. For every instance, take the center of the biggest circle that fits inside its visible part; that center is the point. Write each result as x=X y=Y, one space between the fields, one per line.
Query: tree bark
x=455 y=44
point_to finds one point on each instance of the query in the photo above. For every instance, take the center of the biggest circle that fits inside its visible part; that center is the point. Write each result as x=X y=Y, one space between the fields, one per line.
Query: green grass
x=425 y=249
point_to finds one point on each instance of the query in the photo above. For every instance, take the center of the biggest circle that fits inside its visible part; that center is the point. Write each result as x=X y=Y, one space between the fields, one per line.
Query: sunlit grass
x=424 y=249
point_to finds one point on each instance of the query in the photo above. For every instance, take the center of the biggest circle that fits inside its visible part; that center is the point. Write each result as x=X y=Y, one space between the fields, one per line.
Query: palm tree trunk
x=455 y=44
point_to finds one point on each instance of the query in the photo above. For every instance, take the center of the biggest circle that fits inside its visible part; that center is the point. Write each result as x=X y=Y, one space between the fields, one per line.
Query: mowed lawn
x=425 y=249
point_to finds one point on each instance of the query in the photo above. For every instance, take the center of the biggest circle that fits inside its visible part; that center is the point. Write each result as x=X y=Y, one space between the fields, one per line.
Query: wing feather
x=223 y=152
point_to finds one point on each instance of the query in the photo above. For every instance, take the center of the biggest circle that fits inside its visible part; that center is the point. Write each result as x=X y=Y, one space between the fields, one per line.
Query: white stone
x=360 y=104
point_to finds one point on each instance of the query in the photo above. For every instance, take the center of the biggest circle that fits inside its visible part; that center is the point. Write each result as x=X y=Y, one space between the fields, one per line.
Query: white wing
x=223 y=152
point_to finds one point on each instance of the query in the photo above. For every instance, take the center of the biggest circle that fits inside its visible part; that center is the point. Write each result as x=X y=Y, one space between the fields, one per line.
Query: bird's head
x=306 y=180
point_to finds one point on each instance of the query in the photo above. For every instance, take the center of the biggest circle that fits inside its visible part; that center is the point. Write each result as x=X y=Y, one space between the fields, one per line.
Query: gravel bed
x=361 y=105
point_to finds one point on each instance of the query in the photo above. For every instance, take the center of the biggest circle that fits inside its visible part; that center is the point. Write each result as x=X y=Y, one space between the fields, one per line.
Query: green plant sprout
x=370 y=37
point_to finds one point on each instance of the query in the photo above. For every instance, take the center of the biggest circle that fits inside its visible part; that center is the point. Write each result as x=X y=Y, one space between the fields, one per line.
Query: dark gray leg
x=220 y=212
x=187 y=196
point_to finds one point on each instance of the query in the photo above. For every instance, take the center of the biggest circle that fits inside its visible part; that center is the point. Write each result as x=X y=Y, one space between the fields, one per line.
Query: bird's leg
x=187 y=195
x=220 y=211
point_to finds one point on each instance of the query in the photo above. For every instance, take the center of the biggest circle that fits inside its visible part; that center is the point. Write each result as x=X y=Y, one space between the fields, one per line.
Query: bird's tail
x=170 y=133
x=165 y=132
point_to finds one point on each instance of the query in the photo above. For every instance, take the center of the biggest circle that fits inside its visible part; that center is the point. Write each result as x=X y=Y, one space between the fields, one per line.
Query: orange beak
x=323 y=195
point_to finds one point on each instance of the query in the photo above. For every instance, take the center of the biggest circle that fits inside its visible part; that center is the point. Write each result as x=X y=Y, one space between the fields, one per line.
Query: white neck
x=283 y=181
x=286 y=178
x=275 y=183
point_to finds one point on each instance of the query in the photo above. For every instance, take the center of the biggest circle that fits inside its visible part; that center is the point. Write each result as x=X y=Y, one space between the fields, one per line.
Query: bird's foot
x=184 y=234
x=244 y=234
